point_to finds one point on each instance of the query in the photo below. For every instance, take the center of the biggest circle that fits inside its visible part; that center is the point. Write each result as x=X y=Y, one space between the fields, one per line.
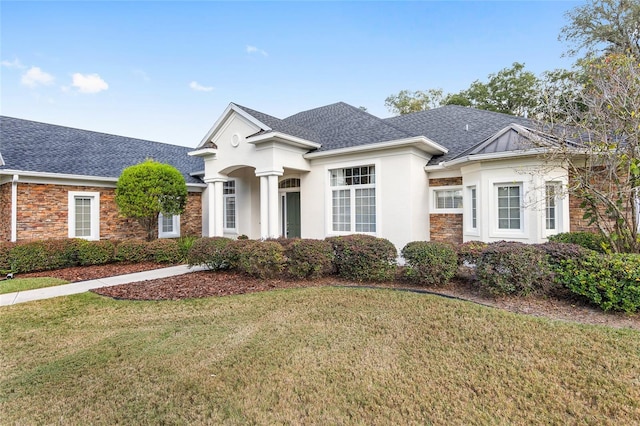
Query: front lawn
x=315 y=355
x=22 y=284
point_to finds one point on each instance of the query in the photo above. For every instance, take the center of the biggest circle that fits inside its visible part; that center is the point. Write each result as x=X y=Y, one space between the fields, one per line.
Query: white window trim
x=468 y=210
x=176 y=227
x=224 y=207
x=434 y=202
x=329 y=196
x=496 y=232
x=95 y=214
x=559 y=207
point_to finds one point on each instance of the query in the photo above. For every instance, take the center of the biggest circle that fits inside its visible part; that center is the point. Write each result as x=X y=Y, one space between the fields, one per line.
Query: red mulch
x=84 y=273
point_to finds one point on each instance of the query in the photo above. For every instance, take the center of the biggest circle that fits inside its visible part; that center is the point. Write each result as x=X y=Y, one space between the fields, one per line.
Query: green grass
x=316 y=355
x=22 y=284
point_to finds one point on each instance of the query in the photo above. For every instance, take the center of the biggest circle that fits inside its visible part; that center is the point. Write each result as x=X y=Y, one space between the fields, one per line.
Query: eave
x=422 y=143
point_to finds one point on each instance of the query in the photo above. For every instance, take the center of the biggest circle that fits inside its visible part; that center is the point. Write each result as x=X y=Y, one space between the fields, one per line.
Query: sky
x=165 y=71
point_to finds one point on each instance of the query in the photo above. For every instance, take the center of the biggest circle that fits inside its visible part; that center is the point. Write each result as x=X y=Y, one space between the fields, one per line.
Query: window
x=289 y=183
x=84 y=215
x=551 y=206
x=168 y=226
x=448 y=198
x=353 y=199
x=229 y=195
x=509 y=207
x=473 y=195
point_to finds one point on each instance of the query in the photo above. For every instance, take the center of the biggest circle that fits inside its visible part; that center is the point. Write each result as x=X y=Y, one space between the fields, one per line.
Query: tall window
x=509 y=207
x=473 y=195
x=551 y=206
x=168 y=226
x=84 y=215
x=229 y=191
x=353 y=199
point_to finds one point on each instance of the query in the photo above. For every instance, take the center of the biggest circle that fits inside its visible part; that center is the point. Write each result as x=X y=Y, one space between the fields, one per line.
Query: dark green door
x=293 y=214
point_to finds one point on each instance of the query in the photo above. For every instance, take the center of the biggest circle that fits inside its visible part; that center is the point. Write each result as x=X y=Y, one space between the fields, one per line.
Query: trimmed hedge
x=364 y=257
x=210 y=251
x=513 y=268
x=309 y=259
x=588 y=240
x=96 y=252
x=469 y=252
x=43 y=255
x=165 y=251
x=429 y=262
x=612 y=282
x=133 y=251
x=261 y=259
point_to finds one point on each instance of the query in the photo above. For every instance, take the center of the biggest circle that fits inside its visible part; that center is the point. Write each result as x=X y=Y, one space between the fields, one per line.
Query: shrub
x=512 y=268
x=587 y=240
x=559 y=252
x=261 y=259
x=165 y=251
x=95 y=252
x=429 y=262
x=210 y=251
x=5 y=259
x=612 y=282
x=42 y=255
x=184 y=244
x=133 y=251
x=364 y=257
x=469 y=252
x=309 y=259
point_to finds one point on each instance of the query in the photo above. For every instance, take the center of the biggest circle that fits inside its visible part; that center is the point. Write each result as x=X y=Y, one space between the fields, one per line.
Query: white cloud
x=35 y=76
x=253 y=49
x=89 y=83
x=200 y=88
x=13 y=64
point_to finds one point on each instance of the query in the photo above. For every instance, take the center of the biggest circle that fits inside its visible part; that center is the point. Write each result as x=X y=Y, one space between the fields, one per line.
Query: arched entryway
x=289 y=193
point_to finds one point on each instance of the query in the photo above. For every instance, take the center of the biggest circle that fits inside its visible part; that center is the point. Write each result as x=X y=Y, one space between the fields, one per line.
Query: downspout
x=14 y=208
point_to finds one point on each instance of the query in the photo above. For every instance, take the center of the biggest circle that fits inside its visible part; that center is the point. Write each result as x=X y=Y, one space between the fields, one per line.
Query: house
x=59 y=182
x=450 y=174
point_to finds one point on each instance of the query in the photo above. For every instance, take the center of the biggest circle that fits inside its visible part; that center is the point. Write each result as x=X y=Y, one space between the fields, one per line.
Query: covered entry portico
x=250 y=168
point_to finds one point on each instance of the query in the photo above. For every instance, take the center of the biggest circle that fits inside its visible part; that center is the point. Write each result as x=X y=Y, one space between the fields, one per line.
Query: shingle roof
x=456 y=127
x=278 y=125
x=40 y=147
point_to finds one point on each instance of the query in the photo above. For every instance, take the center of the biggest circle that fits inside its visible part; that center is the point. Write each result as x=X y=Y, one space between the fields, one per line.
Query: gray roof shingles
x=40 y=147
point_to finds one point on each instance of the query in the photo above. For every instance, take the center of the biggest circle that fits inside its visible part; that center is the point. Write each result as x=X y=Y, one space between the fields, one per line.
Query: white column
x=211 y=210
x=14 y=208
x=274 y=232
x=264 y=207
x=219 y=208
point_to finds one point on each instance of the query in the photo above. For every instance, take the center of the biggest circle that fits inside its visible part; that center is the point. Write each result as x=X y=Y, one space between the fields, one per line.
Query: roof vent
x=466 y=127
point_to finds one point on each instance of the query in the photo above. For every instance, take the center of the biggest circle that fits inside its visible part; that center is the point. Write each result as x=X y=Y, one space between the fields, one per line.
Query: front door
x=292 y=214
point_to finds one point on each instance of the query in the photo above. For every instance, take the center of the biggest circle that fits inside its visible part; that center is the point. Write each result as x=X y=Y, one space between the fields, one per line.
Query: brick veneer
x=43 y=213
x=446 y=227
x=5 y=212
x=455 y=181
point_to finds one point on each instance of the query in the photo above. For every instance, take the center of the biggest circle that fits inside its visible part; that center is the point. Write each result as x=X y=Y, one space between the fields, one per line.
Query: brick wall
x=455 y=181
x=446 y=227
x=43 y=213
x=5 y=212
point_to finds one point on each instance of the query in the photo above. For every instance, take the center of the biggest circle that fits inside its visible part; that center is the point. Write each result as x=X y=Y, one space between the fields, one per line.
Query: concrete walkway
x=83 y=286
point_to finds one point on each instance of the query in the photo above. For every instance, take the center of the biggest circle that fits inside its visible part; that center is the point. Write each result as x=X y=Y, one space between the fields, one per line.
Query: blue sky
x=165 y=71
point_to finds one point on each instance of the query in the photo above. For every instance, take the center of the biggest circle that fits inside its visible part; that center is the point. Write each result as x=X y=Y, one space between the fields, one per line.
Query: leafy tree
x=406 y=102
x=149 y=188
x=611 y=26
x=600 y=129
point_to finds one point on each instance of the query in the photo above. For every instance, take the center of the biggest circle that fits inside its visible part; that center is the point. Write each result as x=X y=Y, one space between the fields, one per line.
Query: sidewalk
x=83 y=286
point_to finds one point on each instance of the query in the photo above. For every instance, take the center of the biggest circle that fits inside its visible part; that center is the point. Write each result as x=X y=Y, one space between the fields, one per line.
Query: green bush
x=611 y=281
x=364 y=257
x=5 y=258
x=42 y=255
x=95 y=252
x=184 y=244
x=261 y=259
x=469 y=252
x=587 y=240
x=513 y=268
x=309 y=259
x=429 y=262
x=210 y=251
x=165 y=251
x=133 y=251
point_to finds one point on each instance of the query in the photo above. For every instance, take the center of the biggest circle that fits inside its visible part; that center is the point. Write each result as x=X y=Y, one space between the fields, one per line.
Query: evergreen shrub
x=364 y=257
x=429 y=262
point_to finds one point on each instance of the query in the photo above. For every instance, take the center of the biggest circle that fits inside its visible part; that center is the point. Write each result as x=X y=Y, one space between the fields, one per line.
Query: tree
x=611 y=26
x=145 y=190
x=600 y=135
x=406 y=102
x=510 y=91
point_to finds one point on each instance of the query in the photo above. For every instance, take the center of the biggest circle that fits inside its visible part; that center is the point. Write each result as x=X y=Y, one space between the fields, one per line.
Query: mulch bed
x=84 y=273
